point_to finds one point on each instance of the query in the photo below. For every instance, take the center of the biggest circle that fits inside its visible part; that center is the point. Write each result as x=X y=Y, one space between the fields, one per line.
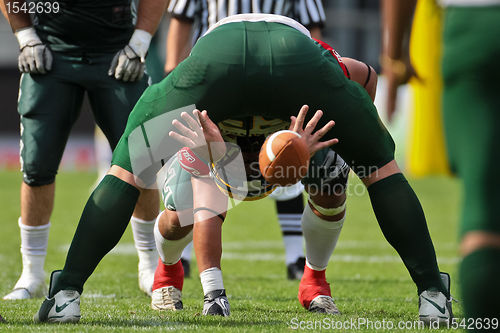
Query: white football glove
x=129 y=63
x=35 y=57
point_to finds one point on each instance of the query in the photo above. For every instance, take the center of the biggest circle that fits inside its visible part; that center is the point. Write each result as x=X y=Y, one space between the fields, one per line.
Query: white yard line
x=255 y=251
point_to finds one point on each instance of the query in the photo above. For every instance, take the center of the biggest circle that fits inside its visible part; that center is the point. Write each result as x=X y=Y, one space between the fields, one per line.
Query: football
x=284 y=158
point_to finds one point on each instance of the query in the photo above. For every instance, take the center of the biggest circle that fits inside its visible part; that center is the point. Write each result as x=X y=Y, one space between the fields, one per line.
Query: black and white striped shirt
x=205 y=13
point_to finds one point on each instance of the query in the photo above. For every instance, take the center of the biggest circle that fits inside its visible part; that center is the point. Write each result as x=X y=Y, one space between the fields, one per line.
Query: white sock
x=292 y=236
x=34 y=240
x=186 y=254
x=211 y=279
x=321 y=238
x=170 y=251
x=144 y=240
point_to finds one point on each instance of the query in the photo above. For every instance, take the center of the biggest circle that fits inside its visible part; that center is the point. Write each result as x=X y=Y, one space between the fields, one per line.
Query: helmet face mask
x=238 y=175
x=244 y=138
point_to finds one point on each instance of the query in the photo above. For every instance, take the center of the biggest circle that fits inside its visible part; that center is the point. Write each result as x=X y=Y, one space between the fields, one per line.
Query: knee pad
x=38 y=179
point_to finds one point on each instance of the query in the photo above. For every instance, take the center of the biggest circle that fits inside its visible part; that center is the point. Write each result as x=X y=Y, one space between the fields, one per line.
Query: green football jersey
x=86 y=26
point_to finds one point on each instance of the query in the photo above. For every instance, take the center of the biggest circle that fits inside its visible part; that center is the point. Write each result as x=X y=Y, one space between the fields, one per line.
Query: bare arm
x=315 y=32
x=178 y=38
x=363 y=74
x=18 y=20
x=149 y=14
x=397 y=16
x=395 y=59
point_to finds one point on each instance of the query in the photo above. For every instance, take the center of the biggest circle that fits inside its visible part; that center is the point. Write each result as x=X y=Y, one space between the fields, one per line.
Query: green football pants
x=49 y=105
x=255 y=68
x=472 y=110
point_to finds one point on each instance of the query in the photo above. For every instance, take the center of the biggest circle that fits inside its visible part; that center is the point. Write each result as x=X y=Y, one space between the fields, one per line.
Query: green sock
x=103 y=222
x=403 y=224
x=479 y=274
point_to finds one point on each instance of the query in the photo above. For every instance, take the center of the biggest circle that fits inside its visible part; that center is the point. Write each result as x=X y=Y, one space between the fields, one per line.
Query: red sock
x=313 y=284
x=169 y=275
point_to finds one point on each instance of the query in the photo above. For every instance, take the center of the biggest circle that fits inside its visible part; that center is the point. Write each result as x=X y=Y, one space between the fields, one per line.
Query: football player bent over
x=253 y=65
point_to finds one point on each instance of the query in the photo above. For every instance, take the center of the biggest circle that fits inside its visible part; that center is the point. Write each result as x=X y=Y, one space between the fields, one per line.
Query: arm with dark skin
x=395 y=60
x=315 y=32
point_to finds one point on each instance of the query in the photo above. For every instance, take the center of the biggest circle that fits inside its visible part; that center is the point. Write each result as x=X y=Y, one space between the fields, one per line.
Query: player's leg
x=369 y=149
x=290 y=205
x=471 y=117
x=173 y=231
x=186 y=260
x=137 y=158
x=364 y=144
x=209 y=212
x=171 y=239
x=112 y=101
x=103 y=222
x=322 y=222
x=103 y=154
x=45 y=125
x=403 y=224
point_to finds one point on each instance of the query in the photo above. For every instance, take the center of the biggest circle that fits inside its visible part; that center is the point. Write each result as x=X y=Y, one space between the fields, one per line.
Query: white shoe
x=434 y=306
x=323 y=304
x=63 y=307
x=148 y=260
x=28 y=286
x=166 y=298
x=146 y=278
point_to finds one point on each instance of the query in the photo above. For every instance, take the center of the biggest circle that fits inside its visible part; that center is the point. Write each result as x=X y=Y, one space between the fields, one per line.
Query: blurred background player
x=66 y=51
x=189 y=21
x=471 y=121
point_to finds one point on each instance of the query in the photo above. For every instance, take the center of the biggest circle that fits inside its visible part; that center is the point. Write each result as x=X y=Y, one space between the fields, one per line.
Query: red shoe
x=167 y=287
x=314 y=292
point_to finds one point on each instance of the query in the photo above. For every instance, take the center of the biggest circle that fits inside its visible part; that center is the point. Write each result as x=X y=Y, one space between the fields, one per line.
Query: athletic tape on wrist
x=139 y=42
x=26 y=35
x=192 y=163
x=329 y=211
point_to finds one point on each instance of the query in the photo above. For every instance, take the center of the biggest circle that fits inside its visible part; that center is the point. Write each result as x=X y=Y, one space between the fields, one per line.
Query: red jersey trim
x=335 y=55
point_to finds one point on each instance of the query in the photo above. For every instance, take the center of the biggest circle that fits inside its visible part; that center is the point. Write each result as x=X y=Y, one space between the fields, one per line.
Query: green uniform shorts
x=471 y=110
x=255 y=68
x=49 y=105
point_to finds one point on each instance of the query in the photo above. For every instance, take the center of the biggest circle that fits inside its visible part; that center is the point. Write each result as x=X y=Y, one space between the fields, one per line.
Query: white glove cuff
x=140 y=41
x=26 y=35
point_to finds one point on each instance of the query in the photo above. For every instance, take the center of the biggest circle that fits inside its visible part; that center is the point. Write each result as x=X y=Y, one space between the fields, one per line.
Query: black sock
x=103 y=222
x=403 y=224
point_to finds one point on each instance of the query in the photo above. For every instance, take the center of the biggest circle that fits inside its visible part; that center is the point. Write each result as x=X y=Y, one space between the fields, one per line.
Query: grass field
x=369 y=281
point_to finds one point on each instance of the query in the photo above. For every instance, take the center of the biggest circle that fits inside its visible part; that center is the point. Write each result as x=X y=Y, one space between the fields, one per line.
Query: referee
x=196 y=17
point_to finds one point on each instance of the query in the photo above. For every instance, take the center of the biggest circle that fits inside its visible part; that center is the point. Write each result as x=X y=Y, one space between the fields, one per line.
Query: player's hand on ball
x=201 y=135
x=35 y=57
x=310 y=137
x=127 y=65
